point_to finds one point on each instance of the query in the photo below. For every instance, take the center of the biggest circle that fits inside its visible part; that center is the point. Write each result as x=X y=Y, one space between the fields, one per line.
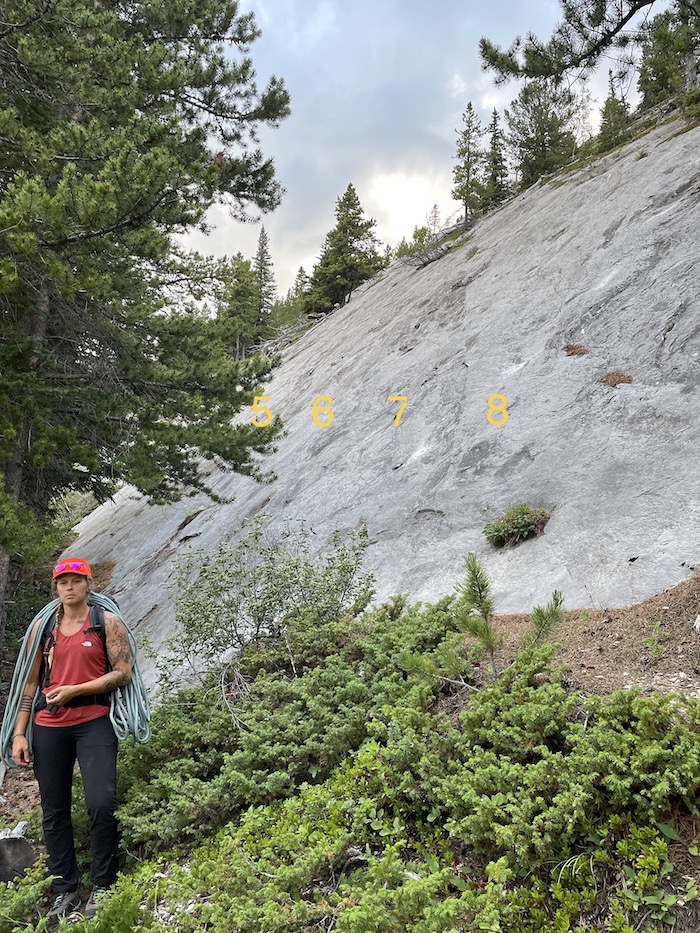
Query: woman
x=78 y=667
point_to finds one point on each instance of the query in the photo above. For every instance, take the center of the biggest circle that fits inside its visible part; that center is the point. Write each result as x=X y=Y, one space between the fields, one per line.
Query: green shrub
x=246 y=595
x=691 y=104
x=23 y=901
x=210 y=758
x=331 y=792
x=515 y=525
x=539 y=812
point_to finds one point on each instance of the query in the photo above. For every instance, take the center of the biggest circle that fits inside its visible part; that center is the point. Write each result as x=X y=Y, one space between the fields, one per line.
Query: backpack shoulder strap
x=48 y=629
x=97 y=623
x=48 y=640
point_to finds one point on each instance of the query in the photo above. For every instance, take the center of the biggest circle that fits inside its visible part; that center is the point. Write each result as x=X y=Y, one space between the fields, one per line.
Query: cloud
x=399 y=202
x=457 y=86
x=297 y=27
x=378 y=90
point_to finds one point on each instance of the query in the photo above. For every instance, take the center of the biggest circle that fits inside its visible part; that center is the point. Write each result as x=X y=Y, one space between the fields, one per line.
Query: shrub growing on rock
x=517 y=524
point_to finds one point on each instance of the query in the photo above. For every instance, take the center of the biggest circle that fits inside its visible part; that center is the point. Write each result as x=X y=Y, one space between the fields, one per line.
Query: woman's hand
x=59 y=696
x=20 y=750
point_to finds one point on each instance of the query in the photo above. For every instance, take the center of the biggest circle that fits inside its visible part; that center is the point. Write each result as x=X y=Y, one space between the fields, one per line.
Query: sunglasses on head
x=70 y=565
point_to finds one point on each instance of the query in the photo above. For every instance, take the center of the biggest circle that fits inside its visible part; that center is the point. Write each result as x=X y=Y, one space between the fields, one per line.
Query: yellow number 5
x=315 y=411
x=257 y=407
x=399 y=398
x=497 y=406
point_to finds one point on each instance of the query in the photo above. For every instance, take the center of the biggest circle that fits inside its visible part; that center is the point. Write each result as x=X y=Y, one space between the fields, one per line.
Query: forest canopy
x=121 y=124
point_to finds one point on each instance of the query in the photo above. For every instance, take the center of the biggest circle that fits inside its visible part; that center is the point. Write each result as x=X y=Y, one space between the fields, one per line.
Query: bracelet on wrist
x=18 y=735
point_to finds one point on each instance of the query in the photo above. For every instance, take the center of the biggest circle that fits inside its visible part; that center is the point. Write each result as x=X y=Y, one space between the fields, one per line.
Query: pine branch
x=544 y=621
x=576 y=43
x=8 y=28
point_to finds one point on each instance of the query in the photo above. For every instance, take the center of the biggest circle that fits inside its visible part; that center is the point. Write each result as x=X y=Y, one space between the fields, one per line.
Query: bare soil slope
x=651 y=644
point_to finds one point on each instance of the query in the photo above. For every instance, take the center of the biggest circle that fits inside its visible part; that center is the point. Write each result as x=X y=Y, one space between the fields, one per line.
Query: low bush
x=333 y=794
x=23 y=901
x=517 y=524
x=210 y=758
x=538 y=811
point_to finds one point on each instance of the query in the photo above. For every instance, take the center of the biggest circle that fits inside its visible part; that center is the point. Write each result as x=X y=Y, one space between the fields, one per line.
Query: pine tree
x=662 y=70
x=422 y=249
x=615 y=119
x=265 y=280
x=302 y=283
x=540 y=124
x=289 y=310
x=434 y=221
x=350 y=255
x=119 y=132
x=468 y=172
x=238 y=318
x=496 y=188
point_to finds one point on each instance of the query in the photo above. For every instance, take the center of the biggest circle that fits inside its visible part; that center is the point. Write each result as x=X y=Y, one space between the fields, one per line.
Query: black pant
x=55 y=750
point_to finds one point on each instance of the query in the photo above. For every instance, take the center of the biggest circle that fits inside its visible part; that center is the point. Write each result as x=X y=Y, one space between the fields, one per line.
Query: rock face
x=603 y=261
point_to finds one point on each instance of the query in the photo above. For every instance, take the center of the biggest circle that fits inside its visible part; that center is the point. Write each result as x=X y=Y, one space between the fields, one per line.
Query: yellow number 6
x=257 y=407
x=318 y=408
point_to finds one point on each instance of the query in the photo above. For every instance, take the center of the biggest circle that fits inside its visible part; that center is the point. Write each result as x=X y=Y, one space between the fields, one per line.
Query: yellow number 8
x=497 y=404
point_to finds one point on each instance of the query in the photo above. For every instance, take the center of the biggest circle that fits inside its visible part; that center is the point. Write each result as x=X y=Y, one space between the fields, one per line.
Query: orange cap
x=72 y=565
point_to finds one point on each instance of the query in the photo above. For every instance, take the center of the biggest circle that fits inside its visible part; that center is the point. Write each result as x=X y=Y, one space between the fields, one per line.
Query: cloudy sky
x=377 y=89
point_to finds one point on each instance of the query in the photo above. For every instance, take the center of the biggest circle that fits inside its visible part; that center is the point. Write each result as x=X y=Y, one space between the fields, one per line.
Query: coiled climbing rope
x=130 y=709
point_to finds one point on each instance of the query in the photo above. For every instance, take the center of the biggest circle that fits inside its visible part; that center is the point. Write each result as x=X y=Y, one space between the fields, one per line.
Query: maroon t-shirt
x=76 y=659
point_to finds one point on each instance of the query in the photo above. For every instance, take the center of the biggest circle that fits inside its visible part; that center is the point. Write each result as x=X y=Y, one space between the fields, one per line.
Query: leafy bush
x=246 y=595
x=540 y=812
x=515 y=525
x=427 y=244
x=209 y=758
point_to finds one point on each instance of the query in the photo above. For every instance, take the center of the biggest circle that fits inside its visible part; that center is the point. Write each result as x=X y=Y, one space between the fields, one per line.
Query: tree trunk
x=691 y=72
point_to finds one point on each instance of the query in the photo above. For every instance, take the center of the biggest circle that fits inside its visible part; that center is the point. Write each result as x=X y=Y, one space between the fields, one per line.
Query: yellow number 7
x=399 y=398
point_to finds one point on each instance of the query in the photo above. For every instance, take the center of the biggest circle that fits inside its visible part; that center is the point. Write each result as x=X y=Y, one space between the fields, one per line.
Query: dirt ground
x=19 y=794
x=652 y=644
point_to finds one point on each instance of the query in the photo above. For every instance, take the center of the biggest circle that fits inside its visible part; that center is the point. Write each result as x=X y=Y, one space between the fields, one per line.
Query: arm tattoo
x=25 y=704
x=118 y=651
x=115 y=679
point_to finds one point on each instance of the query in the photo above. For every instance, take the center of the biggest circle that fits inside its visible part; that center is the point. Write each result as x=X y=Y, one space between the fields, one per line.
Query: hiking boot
x=66 y=902
x=92 y=905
